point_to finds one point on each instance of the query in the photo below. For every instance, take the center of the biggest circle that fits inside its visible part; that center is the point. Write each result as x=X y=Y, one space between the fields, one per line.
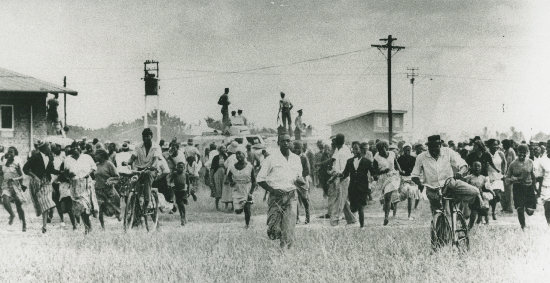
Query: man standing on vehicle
x=280 y=174
x=146 y=157
x=435 y=166
x=224 y=102
x=284 y=108
x=298 y=126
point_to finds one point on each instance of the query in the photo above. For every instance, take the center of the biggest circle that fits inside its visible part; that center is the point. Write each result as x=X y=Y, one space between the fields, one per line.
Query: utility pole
x=412 y=75
x=65 y=102
x=389 y=46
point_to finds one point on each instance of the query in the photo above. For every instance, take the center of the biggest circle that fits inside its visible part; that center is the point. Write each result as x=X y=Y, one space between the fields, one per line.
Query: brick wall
x=21 y=106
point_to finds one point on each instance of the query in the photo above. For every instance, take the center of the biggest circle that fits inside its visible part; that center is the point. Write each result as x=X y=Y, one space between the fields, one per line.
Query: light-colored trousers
x=281 y=217
x=338 y=202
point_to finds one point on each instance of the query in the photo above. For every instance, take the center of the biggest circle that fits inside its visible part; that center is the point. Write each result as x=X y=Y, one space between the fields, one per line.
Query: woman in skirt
x=80 y=167
x=409 y=189
x=11 y=189
x=107 y=197
x=218 y=174
x=385 y=165
x=521 y=175
x=496 y=175
x=241 y=178
x=40 y=167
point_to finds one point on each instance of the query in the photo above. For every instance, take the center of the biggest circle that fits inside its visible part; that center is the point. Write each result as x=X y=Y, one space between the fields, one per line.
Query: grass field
x=215 y=247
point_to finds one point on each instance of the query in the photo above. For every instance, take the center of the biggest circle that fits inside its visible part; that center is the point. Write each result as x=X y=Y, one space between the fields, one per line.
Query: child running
x=483 y=183
x=181 y=190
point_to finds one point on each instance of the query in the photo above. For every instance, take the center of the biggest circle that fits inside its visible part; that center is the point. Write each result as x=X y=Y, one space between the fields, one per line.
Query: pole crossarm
x=389 y=47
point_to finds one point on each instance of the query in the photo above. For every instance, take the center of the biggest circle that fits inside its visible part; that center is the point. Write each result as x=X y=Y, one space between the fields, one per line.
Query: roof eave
x=71 y=92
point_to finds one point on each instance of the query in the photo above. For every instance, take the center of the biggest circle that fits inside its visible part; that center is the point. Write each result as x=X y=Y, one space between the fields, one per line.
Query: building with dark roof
x=23 y=109
x=370 y=125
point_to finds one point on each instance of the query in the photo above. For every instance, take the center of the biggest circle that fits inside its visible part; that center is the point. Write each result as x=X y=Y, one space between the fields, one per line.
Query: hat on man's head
x=40 y=144
x=190 y=141
x=125 y=146
x=300 y=111
x=233 y=147
x=435 y=139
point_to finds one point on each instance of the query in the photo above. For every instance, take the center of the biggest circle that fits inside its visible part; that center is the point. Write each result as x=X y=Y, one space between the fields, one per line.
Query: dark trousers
x=287 y=119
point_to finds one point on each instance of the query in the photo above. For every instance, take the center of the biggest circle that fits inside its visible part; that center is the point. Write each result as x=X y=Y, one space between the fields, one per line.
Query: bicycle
x=450 y=226
x=134 y=204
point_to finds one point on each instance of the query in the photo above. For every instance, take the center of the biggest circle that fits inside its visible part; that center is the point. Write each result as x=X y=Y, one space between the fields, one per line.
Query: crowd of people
x=86 y=179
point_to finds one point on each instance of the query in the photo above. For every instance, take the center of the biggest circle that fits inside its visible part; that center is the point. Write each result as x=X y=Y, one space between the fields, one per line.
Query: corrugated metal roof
x=368 y=113
x=11 y=81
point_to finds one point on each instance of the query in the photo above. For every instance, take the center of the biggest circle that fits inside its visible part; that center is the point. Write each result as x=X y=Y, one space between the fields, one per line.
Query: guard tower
x=151 y=78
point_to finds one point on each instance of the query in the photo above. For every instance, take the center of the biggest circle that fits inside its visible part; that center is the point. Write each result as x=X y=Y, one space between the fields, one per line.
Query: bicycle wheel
x=461 y=232
x=441 y=234
x=129 y=211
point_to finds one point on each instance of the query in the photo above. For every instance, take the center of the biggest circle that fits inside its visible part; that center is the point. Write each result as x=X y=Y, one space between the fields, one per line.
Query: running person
x=521 y=175
x=40 y=167
x=281 y=172
x=385 y=165
x=496 y=176
x=181 y=189
x=11 y=189
x=408 y=187
x=358 y=168
x=242 y=180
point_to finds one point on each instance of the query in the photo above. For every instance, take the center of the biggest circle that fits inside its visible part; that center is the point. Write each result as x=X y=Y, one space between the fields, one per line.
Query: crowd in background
x=86 y=178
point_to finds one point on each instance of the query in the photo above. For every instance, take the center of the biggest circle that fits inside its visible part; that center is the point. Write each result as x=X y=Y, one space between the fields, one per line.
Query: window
x=6 y=117
x=379 y=122
x=396 y=122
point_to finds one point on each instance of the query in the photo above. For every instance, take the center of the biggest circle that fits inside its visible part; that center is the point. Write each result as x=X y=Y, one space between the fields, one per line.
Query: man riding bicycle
x=436 y=166
x=146 y=158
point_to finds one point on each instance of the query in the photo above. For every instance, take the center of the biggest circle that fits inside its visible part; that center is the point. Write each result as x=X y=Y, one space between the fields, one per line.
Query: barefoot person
x=385 y=165
x=408 y=187
x=242 y=180
x=496 y=176
x=358 y=168
x=181 y=189
x=483 y=183
x=280 y=173
x=521 y=175
x=107 y=197
x=303 y=192
x=11 y=189
x=40 y=167
x=544 y=177
x=80 y=167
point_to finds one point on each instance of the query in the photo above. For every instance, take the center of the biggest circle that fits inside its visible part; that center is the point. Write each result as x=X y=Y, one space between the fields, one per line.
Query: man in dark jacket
x=357 y=168
x=40 y=167
x=303 y=192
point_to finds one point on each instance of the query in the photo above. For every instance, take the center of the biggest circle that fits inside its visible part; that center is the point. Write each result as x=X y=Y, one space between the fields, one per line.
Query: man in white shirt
x=191 y=150
x=338 y=190
x=436 y=166
x=281 y=172
x=146 y=157
x=543 y=176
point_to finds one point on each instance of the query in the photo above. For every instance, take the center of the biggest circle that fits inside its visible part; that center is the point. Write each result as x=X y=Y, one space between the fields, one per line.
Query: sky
x=481 y=63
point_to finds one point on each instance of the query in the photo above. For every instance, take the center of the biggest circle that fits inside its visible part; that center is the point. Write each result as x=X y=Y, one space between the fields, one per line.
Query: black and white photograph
x=274 y=141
